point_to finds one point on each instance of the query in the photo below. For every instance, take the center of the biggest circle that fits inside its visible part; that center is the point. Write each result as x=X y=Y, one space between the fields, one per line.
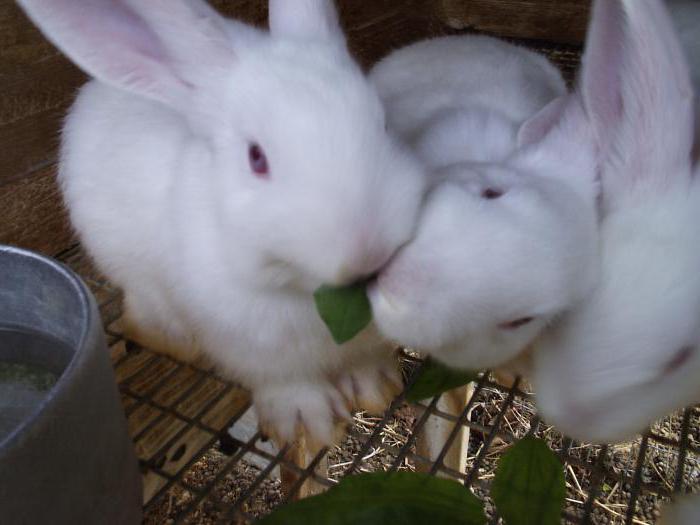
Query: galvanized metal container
x=70 y=459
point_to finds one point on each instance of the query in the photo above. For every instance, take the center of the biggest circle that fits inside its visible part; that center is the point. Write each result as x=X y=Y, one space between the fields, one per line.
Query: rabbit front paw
x=315 y=411
x=372 y=387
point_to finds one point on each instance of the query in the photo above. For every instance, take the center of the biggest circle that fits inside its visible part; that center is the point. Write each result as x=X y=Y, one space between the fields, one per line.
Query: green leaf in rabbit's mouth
x=346 y=311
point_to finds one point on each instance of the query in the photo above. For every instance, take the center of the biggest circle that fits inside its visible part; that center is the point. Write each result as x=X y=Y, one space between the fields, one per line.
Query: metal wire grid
x=178 y=413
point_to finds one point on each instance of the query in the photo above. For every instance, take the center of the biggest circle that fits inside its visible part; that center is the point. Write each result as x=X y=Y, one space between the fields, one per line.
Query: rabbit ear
x=160 y=49
x=537 y=127
x=637 y=91
x=599 y=81
x=305 y=19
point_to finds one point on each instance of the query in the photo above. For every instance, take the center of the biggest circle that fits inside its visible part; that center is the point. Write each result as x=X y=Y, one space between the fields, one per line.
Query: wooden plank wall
x=555 y=20
x=37 y=84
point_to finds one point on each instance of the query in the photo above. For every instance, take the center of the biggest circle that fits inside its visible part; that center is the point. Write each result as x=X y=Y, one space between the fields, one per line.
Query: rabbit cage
x=195 y=469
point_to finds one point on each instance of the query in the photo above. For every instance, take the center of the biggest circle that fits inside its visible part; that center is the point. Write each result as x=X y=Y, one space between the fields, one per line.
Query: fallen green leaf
x=377 y=499
x=436 y=378
x=529 y=485
x=346 y=311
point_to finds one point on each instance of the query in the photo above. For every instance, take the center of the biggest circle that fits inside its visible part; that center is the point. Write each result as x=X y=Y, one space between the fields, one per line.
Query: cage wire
x=196 y=471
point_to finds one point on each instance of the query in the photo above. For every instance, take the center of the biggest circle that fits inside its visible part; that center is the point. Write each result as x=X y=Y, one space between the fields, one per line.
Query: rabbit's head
x=301 y=176
x=501 y=248
x=473 y=134
x=630 y=352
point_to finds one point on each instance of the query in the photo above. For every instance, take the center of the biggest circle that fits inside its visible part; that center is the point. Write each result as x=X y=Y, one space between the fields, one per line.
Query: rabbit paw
x=372 y=387
x=313 y=411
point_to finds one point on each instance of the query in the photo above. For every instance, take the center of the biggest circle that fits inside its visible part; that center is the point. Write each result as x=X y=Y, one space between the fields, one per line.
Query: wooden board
x=32 y=214
x=37 y=85
x=562 y=21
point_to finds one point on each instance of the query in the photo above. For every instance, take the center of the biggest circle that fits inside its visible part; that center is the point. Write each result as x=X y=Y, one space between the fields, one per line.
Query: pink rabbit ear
x=656 y=134
x=159 y=49
x=599 y=80
x=537 y=127
x=637 y=92
x=306 y=19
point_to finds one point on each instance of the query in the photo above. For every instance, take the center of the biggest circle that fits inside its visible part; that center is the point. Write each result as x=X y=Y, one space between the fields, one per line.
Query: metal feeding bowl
x=65 y=454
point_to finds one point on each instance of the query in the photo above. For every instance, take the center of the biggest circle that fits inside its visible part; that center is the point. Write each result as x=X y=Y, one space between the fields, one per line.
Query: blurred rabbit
x=507 y=239
x=629 y=353
x=219 y=174
x=464 y=98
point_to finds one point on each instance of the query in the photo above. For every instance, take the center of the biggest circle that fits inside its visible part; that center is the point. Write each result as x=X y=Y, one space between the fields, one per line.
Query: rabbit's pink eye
x=679 y=359
x=512 y=325
x=258 y=161
x=492 y=193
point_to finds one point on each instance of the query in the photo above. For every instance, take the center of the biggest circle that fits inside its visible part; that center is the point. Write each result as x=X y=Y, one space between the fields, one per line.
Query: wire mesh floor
x=196 y=471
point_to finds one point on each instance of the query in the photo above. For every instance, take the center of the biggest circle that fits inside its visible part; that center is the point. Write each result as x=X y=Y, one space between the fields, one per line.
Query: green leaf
x=529 y=485
x=404 y=498
x=346 y=311
x=436 y=378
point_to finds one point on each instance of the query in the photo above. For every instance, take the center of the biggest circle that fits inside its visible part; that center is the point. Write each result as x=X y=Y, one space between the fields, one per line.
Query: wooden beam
x=562 y=21
x=437 y=430
x=32 y=214
x=37 y=85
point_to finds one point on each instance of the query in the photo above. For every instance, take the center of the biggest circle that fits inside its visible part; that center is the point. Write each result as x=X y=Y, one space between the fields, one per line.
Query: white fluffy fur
x=630 y=353
x=476 y=264
x=426 y=81
x=155 y=173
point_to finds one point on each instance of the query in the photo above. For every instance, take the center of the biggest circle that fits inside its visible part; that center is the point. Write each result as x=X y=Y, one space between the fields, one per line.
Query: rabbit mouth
x=378 y=297
x=281 y=274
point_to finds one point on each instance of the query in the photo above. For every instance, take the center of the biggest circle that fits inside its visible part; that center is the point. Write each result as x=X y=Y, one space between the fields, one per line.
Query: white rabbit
x=219 y=174
x=630 y=352
x=499 y=84
x=508 y=240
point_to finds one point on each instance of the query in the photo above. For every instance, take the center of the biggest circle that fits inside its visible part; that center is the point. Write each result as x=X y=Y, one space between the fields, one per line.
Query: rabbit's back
x=423 y=79
x=119 y=157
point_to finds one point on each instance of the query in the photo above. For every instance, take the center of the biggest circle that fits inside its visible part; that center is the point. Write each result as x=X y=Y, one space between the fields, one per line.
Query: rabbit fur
x=629 y=353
